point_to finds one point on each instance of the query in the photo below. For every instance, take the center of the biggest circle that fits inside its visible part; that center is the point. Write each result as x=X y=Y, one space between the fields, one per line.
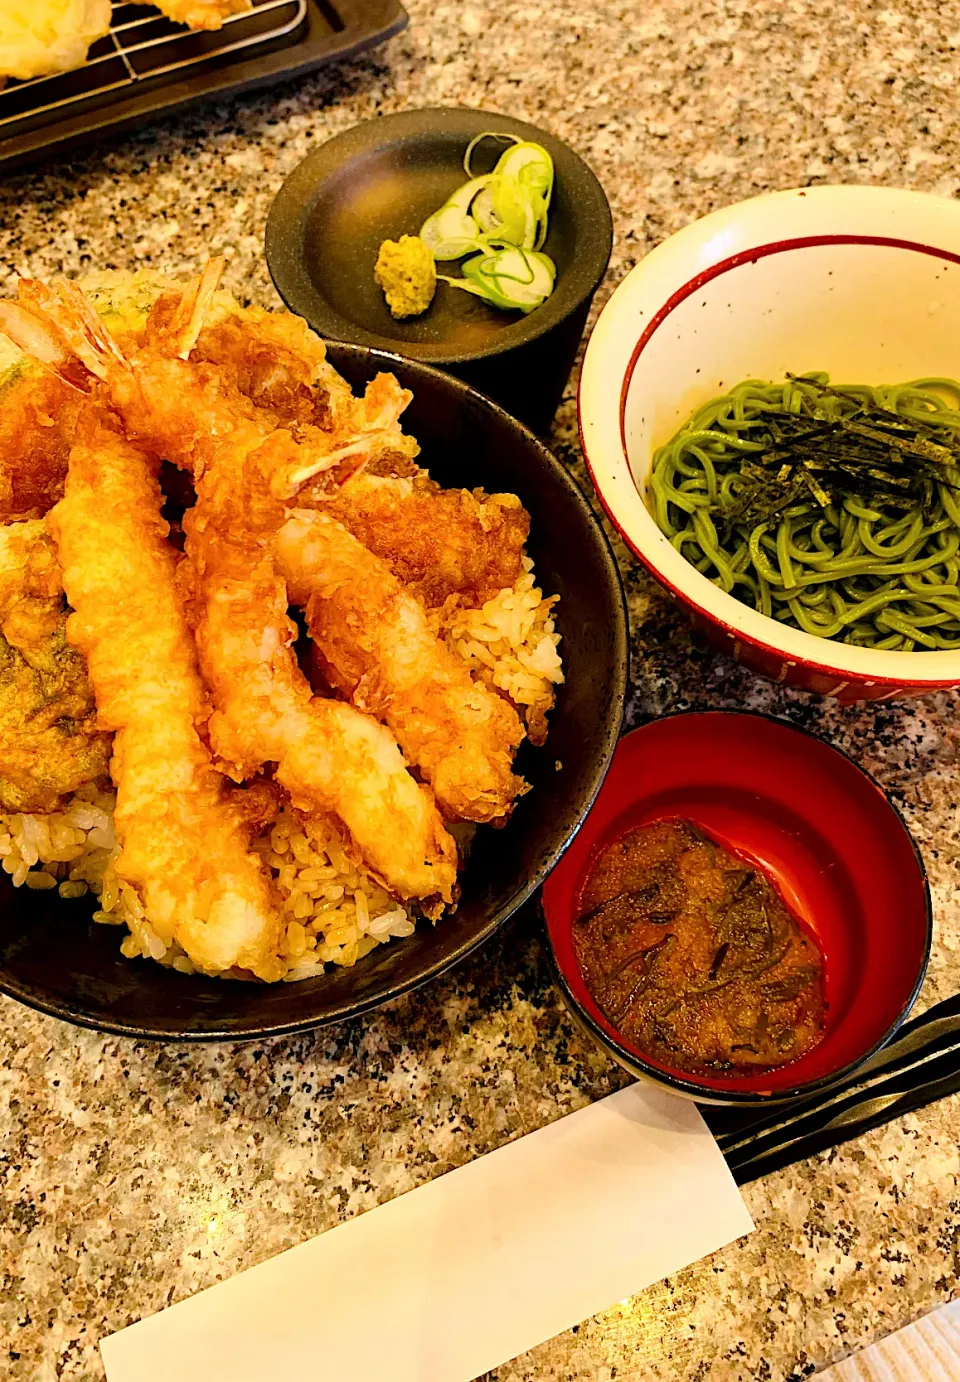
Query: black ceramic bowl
x=55 y=958
x=381 y=180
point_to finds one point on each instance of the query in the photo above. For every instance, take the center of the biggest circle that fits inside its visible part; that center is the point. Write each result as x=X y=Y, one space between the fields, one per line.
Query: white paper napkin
x=460 y=1275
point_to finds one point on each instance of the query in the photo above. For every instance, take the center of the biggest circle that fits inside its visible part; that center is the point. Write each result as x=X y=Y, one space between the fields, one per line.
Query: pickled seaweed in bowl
x=691 y=953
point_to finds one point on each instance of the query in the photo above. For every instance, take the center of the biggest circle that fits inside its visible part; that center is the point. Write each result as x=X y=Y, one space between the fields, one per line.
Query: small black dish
x=381 y=180
x=55 y=958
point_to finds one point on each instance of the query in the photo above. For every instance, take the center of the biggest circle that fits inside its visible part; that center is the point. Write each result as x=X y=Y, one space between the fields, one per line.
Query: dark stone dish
x=381 y=180
x=55 y=958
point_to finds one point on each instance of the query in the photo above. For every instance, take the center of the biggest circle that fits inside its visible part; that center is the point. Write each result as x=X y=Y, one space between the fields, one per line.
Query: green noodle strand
x=876 y=576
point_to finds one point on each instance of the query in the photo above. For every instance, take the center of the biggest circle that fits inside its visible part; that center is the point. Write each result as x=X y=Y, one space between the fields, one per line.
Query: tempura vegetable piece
x=377 y=647
x=182 y=848
x=407 y=273
x=41 y=37
x=50 y=743
x=201 y=14
x=441 y=542
x=38 y=414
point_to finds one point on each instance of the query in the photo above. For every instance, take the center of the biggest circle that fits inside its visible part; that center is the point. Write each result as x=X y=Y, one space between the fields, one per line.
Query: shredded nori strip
x=871 y=454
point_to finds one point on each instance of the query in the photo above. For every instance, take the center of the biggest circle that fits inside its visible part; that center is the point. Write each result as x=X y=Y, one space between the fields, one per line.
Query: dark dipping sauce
x=693 y=956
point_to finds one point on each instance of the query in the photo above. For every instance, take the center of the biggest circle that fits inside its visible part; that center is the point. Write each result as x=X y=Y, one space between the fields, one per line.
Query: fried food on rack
x=377 y=648
x=201 y=14
x=182 y=848
x=330 y=758
x=440 y=542
x=39 y=38
x=49 y=740
x=38 y=415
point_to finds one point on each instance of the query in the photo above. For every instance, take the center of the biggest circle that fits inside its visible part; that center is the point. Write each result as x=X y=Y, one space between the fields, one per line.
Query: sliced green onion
x=464 y=195
x=484 y=212
x=500 y=218
x=511 y=278
x=530 y=164
x=515 y=211
x=478 y=139
x=450 y=233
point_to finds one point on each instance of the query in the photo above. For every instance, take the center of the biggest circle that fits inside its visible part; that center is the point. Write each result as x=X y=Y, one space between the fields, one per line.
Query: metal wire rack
x=143 y=45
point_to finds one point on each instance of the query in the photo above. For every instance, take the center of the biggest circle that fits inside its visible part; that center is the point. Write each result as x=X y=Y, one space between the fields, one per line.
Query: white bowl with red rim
x=863 y=282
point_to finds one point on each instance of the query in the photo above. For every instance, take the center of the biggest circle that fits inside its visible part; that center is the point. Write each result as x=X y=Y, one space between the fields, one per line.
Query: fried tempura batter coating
x=440 y=542
x=182 y=847
x=280 y=364
x=255 y=804
x=277 y=361
x=49 y=741
x=201 y=14
x=329 y=757
x=38 y=416
x=377 y=647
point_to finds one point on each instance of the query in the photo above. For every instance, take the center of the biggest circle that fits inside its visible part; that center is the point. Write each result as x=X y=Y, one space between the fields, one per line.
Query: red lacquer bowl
x=834 y=845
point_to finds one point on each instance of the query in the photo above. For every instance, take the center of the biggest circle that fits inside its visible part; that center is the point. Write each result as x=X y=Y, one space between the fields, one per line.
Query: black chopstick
x=921 y=1064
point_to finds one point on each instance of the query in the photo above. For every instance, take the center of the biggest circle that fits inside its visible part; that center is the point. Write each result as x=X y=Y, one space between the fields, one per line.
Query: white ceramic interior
x=738 y=295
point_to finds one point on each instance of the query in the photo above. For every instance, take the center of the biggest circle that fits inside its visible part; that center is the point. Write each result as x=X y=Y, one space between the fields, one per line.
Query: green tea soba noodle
x=833 y=509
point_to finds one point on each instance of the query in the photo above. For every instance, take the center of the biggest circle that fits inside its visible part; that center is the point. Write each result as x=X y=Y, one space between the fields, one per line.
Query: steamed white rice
x=334 y=912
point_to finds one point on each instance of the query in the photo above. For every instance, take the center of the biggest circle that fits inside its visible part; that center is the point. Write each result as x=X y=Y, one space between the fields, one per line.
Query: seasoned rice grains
x=334 y=912
x=511 y=643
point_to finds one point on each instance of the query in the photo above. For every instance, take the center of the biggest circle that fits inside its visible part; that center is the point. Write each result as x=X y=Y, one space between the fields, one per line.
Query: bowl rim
x=635 y=1062
x=618 y=682
x=608 y=462
x=292 y=204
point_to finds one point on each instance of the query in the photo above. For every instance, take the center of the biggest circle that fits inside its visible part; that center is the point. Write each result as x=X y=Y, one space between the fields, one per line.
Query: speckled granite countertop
x=133 y=1176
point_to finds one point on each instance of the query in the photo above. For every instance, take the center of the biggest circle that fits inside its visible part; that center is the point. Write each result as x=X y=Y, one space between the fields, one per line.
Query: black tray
x=148 y=67
x=921 y=1065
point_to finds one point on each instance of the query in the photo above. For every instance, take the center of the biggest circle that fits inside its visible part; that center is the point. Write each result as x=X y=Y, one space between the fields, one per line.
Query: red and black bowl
x=820 y=827
x=862 y=282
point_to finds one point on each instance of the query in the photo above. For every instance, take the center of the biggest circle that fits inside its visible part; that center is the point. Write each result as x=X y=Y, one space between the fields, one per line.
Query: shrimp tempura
x=377 y=647
x=440 y=542
x=183 y=849
x=329 y=757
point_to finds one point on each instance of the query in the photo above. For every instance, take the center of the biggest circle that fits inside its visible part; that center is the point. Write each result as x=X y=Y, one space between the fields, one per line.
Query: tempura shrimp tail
x=183 y=849
x=194 y=306
x=377 y=647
